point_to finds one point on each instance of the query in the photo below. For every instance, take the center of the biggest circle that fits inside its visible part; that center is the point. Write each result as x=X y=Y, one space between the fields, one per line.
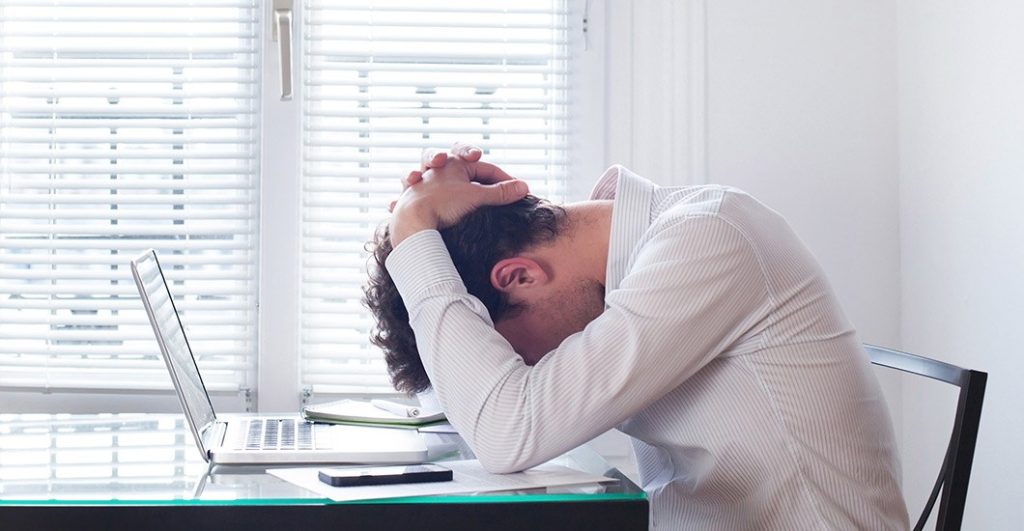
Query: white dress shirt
x=722 y=352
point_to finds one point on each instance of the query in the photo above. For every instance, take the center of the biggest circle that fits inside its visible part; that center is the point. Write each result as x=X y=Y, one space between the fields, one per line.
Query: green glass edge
x=513 y=499
x=321 y=501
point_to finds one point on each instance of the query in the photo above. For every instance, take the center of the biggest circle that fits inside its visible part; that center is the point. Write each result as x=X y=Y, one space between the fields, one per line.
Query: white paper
x=443 y=427
x=468 y=477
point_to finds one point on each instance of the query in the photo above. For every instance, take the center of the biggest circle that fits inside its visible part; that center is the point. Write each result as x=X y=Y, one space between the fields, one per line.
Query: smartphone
x=384 y=475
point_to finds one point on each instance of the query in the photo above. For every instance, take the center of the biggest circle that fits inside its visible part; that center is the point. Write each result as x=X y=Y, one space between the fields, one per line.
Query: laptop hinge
x=247 y=395
x=213 y=435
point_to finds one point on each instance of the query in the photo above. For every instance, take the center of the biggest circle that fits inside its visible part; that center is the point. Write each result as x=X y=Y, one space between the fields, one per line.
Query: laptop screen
x=153 y=289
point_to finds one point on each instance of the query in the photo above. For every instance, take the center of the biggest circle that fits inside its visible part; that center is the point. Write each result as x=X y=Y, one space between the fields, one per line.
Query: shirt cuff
x=421 y=266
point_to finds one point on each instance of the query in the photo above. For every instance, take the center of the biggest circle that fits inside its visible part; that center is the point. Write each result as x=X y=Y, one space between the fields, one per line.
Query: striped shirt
x=722 y=352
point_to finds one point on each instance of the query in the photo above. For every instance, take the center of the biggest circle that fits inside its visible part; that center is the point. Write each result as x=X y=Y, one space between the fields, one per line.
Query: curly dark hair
x=477 y=242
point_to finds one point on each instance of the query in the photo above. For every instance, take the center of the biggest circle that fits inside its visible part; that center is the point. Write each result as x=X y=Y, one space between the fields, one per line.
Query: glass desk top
x=151 y=459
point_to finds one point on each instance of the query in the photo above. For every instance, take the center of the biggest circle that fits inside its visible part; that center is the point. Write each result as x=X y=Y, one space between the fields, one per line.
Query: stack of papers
x=468 y=477
x=372 y=413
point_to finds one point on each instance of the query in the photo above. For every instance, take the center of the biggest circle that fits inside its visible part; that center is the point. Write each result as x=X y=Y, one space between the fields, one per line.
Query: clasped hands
x=446 y=188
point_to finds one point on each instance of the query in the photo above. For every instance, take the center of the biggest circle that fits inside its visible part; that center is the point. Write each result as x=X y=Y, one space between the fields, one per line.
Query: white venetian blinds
x=381 y=81
x=126 y=124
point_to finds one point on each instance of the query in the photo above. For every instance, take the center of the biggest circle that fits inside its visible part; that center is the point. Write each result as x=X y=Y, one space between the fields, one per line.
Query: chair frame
x=955 y=473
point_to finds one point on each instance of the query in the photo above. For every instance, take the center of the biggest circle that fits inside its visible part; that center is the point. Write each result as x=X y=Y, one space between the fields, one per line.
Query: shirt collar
x=631 y=215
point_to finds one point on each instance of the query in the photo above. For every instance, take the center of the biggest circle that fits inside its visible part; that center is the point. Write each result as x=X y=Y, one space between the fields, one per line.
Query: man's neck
x=590 y=226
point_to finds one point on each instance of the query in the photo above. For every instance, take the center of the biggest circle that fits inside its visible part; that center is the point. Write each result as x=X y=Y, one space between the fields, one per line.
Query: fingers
x=436 y=158
x=433 y=158
x=487 y=173
x=467 y=152
x=481 y=172
x=503 y=193
x=411 y=179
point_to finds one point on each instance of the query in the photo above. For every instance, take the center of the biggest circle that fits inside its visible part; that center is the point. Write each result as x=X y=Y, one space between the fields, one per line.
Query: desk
x=144 y=472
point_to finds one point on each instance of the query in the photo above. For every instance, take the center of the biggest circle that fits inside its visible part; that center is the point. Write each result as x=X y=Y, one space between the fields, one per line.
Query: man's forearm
x=403 y=226
x=410 y=217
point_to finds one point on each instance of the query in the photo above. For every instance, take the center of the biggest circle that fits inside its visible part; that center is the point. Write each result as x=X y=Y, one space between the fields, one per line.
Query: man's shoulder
x=730 y=206
x=702 y=200
x=660 y=207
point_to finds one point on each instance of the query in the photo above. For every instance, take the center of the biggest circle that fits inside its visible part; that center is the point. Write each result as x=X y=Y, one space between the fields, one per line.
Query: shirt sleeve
x=695 y=287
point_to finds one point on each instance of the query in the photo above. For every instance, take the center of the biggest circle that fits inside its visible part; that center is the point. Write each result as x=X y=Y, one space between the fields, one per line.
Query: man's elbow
x=506 y=461
x=497 y=465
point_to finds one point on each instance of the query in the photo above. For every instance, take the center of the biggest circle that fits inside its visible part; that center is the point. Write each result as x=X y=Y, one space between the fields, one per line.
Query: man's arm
x=694 y=289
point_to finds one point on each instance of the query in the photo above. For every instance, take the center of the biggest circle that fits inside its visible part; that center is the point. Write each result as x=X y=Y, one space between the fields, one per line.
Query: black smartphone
x=384 y=475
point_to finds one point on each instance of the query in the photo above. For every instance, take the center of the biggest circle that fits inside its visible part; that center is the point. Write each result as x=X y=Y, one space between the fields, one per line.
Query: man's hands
x=447 y=188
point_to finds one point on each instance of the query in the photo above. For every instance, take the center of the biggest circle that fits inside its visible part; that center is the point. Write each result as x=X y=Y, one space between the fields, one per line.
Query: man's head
x=514 y=259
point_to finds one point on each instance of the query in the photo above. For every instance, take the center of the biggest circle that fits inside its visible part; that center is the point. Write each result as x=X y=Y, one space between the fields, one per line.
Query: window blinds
x=381 y=81
x=125 y=125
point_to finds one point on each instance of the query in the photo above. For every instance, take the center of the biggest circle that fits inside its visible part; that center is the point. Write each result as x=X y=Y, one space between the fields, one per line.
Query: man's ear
x=516 y=273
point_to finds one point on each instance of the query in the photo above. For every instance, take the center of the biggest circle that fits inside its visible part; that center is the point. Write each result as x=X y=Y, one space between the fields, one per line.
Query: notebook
x=373 y=413
x=256 y=439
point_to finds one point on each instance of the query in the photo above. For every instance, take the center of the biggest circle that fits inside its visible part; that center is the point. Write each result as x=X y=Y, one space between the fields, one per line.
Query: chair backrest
x=955 y=473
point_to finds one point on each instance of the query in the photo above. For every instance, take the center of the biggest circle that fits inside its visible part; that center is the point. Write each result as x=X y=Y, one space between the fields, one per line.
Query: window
x=143 y=124
x=123 y=128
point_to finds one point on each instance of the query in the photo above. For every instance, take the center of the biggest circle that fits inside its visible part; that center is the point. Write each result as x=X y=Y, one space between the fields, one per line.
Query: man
x=692 y=319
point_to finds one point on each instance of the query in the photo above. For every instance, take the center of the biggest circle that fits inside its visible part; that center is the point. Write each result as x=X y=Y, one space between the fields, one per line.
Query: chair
x=955 y=472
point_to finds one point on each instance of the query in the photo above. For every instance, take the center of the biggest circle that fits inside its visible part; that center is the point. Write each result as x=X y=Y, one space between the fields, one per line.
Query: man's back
x=786 y=428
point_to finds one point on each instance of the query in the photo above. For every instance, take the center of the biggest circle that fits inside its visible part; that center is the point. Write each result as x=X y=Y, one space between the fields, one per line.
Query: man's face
x=552 y=316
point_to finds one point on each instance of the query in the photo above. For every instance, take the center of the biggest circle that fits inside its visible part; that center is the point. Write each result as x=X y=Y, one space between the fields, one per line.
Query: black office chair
x=956 y=467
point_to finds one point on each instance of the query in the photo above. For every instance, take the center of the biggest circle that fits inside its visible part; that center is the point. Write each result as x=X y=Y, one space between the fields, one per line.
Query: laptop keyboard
x=279 y=434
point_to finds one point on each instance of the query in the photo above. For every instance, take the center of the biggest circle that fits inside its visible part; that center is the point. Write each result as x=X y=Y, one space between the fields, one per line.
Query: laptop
x=256 y=439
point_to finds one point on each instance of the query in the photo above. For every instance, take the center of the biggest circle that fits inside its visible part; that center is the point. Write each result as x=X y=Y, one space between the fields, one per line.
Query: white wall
x=961 y=140
x=798 y=108
x=801 y=113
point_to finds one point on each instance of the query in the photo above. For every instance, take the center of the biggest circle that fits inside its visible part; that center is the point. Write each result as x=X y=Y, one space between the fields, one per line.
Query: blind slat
x=168 y=261
x=195 y=229
x=499 y=102
x=350 y=20
x=420 y=113
x=149 y=62
x=129 y=245
x=125 y=288
x=241 y=184
x=408 y=54
x=322 y=38
x=328 y=66
x=135 y=140
x=129 y=168
x=191 y=307
x=194 y=8
x=77 y=273
x=34 y=153
x=316 y=8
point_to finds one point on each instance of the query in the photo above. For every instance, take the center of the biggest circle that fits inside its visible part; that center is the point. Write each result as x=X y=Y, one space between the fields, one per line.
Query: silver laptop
x=256 y=439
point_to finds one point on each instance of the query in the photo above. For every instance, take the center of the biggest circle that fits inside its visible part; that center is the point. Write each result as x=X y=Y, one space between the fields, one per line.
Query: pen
x=401 y=410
